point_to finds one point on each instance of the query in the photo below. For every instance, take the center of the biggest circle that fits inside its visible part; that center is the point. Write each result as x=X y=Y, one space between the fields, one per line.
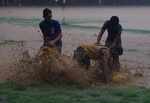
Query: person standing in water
x=113 y=40
x=51 y=30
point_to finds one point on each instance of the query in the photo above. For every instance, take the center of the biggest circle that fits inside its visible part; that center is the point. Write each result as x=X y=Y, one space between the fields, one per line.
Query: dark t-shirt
x=114 y=30
x=52 y=28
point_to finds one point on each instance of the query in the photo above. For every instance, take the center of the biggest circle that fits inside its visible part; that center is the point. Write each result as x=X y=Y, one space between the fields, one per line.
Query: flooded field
x=19 y=26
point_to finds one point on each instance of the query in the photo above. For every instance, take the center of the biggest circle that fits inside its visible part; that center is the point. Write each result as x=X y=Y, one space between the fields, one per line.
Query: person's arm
x=45 y=34
x=101 y=33
x=45 y=37
x=56 y=39
x=59 y=33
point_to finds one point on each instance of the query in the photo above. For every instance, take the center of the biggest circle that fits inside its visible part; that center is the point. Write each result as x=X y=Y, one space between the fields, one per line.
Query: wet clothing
x=53 y=29
x=113 y=40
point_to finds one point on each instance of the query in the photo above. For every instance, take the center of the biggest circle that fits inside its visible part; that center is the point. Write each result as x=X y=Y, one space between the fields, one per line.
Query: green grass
x=46 y=93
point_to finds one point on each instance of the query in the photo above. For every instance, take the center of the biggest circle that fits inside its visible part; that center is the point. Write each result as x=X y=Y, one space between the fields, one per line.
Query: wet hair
x=46 y=11
x=114 y=19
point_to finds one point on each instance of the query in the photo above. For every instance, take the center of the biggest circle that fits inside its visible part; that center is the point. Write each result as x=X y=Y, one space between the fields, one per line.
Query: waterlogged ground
x=19 y=26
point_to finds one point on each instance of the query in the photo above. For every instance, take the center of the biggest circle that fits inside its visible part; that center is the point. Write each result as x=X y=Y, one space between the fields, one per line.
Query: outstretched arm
x=101 y=32
x=100 y=36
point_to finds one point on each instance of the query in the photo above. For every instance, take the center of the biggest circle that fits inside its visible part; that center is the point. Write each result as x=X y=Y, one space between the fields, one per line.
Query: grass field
x=46 y=93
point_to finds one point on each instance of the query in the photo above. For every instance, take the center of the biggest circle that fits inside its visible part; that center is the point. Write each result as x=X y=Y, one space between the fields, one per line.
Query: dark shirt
x=52 y=29
x=114 y=31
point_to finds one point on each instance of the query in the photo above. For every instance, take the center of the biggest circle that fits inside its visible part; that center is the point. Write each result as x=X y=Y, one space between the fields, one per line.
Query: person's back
x=114 y=33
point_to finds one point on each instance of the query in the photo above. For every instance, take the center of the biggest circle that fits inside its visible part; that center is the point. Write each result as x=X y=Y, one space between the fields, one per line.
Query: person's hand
x=97 y=43
x=51 y=43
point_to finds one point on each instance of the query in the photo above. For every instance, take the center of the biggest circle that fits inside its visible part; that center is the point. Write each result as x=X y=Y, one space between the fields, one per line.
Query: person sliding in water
x=113 y=40
x=51 y=30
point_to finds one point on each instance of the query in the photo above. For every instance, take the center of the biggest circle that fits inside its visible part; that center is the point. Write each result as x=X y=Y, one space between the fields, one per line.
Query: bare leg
x=116 y=63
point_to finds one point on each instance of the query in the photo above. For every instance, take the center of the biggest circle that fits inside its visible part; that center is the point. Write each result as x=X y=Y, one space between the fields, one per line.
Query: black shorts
x=117 y=51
